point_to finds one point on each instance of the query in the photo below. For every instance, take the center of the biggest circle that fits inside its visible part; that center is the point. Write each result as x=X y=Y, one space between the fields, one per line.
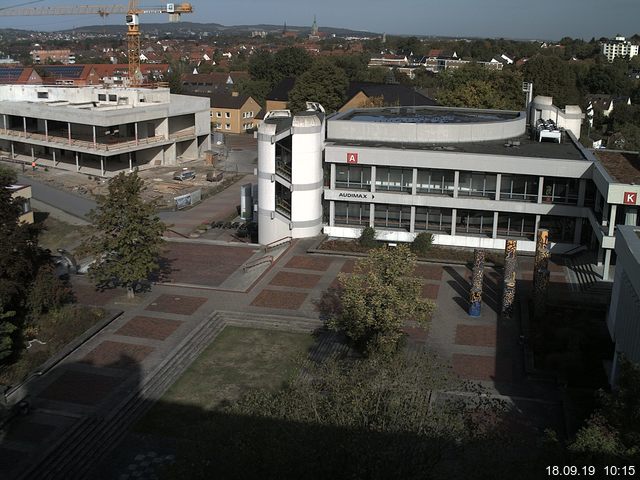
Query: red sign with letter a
x=630 y=198
x=352 y=158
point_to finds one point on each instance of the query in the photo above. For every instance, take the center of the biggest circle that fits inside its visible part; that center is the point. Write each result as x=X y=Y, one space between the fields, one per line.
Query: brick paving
x=176 y=304
x=295 y=280
x=319 y=264
x=430 y=290
x=117 y=355
x=279 y=299
x=429 y=272
x=476 y=335
x=348 y=266
x=79 y=387
x=149 y=327
x=86 y=294
x=201 y=264
x=476 y=367
x=30 y=432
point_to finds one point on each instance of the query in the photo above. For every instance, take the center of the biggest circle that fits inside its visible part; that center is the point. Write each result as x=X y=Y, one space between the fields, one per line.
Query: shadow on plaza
x=128 y=436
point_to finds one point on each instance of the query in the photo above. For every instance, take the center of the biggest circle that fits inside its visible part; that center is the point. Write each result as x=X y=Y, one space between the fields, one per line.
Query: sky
x=521 y=19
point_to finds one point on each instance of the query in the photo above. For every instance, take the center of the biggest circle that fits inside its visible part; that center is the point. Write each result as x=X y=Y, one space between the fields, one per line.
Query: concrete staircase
x=587 y=280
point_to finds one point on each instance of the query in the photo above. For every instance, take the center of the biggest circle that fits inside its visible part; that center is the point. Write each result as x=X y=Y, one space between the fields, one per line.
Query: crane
x=132 y=14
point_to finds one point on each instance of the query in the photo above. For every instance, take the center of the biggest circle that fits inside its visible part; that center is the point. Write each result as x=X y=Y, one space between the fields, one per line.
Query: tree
x=19 y=256
x=262 y=66
x=378 y=298
x=174 y=76
x=422 y=243
x=324 y=83
x=126 y=237
x=551 y=76
x=257 y=89
x=368 y=237
x=292 y=61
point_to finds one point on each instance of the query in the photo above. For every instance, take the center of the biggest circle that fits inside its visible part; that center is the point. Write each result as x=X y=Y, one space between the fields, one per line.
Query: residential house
x=606 y=103
x=21 y=194
x=363 y=94
x=278 y=98
x=233 y=113
x=19 y=76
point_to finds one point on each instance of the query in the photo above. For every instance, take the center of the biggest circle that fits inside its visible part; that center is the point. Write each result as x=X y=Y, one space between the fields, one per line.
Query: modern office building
x=619 y=47
x=472 y=178
x=101 y=130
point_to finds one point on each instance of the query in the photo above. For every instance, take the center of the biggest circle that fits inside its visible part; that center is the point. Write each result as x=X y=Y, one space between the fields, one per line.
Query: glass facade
x=474 y=222
x=473 y=184
x=560 y=190
x=561 y=229
x=353 y=177
x=392 y=216
x=394 y=179
x=518 y=225
x=429 y=219
x=435 y=182
x=523 y=188
x=352 y=213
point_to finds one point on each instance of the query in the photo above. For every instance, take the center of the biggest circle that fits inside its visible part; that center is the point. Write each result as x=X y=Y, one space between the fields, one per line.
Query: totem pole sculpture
x=541 y=273
x=509 y=287
x=475 y=301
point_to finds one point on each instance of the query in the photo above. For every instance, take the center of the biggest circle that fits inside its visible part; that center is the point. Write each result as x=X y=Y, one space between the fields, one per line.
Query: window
x=227 y=115
x=43 y=94
x=561 y=229
x=474 y=222
x=523 y=188
x=394 y=179
x=560 y=190
x=351 y=213
x=392 y=216
x=227 y=126
x=102 y=97
x=516 y=225
x=430 y=219
x=435 y=182
x=218 y=114
x=113 y=98
x=471 y=184
x=352 y=177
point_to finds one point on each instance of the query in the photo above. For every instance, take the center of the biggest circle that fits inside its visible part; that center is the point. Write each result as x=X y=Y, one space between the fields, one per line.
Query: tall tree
x=19 y=256
x=378 y=298
x=552 y=77
x=127 y=235
x=292 y=61
x=324 y=83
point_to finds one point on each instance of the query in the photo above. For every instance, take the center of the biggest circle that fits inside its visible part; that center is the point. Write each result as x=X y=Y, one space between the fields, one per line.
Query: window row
x=524 y=188
x=439 y=220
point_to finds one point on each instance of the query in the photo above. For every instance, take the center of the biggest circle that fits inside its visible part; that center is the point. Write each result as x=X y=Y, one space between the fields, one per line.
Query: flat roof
x=624 y=167
x=427 y=114
x=523 y=147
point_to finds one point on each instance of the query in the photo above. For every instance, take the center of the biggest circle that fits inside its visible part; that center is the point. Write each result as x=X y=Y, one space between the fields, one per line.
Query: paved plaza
x=92 y=381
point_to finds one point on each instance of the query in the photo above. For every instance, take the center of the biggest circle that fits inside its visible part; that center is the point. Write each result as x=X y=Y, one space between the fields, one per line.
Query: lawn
x=238 y=360
x=57 y=234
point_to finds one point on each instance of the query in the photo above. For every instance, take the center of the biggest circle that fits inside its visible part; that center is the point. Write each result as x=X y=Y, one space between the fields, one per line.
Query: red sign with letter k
x=630 y=198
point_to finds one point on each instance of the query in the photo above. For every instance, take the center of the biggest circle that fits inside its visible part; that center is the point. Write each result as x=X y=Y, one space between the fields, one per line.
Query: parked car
x=184 y=175
x=214 y=176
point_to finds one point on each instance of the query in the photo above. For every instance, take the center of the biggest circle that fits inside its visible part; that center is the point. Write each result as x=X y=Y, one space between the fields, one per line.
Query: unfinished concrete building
x=101 y=130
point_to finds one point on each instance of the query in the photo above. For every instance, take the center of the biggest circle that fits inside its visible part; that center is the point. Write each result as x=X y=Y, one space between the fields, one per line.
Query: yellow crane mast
x=132 y=14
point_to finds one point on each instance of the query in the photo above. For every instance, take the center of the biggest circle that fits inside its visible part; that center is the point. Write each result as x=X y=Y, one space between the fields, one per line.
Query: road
x=67 y=202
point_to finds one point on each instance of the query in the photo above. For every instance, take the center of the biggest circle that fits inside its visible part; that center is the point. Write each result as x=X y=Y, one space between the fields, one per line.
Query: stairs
x=587 y=280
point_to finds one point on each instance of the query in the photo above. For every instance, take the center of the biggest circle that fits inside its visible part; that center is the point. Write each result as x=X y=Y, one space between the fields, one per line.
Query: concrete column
x=605 y=214
x=101 y=166
x=577 y=233
x=77 y=164
x=332 y=177
x=456 y=182
x=631 y=216
x=412 y=227
x=372 y=214
x=414 y=187
x=454 y=213
x=13 y=153
x=607 y=264
x=130 y=163
x=498 y=186
x=94 y=136
x=69 y=131
x=582 y=189
x=24 y=126
x=46 y=130
x=4 y=119
x=373 y=178
x=538 y=218
x=612 y=220
x=494 y=233
x=135 y=129
x=540 y=188
x=53 y=151
x=33 y=155
x=332 y=213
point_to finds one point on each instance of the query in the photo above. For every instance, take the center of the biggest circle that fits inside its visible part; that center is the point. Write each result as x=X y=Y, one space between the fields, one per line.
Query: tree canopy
x=324 y=83
x=378 y=298
x=126 y=237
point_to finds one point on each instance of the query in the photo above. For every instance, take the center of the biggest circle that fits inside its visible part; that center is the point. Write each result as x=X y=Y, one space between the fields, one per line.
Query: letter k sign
x=630 y=198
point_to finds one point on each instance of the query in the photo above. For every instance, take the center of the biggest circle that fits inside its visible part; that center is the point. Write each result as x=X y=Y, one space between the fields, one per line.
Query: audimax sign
x=363 y=196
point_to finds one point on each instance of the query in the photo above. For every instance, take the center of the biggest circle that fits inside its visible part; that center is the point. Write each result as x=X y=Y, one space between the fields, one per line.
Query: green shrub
x=48 y=292
x=422 y=244
x=368 y=238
